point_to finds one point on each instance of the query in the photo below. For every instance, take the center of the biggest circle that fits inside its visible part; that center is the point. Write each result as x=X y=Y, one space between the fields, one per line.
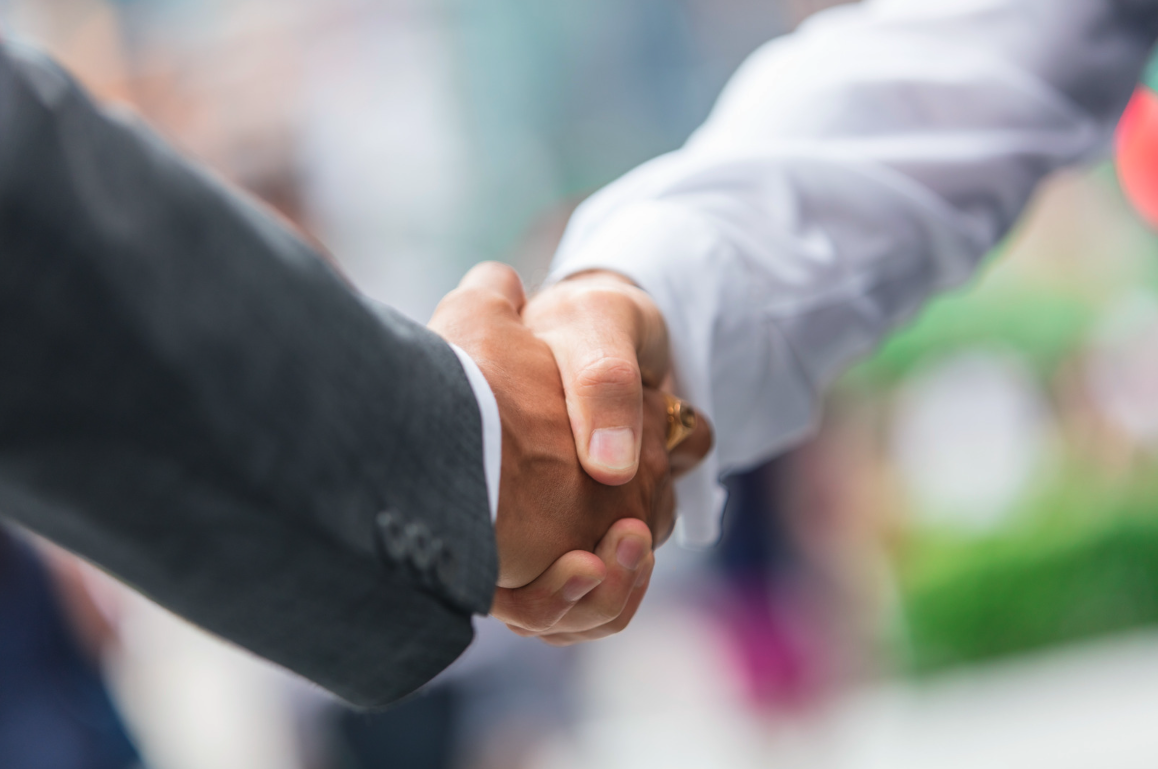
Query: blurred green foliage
x=1078 y=557
x=1081 y=561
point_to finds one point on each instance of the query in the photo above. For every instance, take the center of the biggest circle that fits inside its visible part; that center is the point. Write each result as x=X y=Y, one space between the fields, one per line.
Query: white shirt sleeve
x=491 y=425
x=849 y=171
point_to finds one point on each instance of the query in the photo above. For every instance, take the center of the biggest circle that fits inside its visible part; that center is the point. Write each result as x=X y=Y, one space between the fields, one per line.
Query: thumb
x=489 y=291
x=497 y=278
x=608 y=340
x=604 y=392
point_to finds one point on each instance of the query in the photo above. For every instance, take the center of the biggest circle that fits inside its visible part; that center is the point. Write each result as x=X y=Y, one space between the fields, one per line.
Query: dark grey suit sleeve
x=192 y=400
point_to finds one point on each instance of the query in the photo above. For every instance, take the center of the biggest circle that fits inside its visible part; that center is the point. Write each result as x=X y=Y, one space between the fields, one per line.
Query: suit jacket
x=191 y=399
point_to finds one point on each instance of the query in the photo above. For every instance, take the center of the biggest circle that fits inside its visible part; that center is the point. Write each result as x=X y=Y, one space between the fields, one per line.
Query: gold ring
x=681 y=421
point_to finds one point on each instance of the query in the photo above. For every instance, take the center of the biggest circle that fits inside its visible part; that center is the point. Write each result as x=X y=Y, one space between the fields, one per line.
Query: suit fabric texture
x=194 y=401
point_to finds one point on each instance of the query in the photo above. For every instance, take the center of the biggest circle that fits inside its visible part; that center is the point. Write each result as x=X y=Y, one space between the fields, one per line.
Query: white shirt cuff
x=492 y=427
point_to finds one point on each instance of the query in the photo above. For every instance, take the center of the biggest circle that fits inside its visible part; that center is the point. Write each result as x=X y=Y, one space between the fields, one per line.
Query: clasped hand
x=586 y=488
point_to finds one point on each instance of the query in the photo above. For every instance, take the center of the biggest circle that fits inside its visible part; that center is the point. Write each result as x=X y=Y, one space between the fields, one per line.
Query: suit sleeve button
x=393 y=533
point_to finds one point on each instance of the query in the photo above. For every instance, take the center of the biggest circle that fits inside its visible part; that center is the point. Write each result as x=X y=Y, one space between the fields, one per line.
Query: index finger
x=540 y=606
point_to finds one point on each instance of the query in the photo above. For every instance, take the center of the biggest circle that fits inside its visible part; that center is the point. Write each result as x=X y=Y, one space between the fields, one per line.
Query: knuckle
x=492 y=290
x=609 y=376
x=506 y=276
x=494 y=271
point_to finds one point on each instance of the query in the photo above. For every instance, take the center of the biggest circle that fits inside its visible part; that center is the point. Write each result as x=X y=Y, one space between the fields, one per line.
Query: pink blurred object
x=778 y=648
x=1136 y=150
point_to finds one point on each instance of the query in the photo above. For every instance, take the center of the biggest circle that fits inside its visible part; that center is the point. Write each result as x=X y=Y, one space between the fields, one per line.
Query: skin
x=610 y=341
x=575 y=554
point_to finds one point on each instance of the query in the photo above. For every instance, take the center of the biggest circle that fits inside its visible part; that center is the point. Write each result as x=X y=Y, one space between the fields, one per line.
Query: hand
x=610 y=342
x=550 y=510
x=556 y=607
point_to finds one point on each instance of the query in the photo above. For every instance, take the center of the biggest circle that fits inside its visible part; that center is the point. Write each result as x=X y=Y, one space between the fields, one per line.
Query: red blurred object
x=1137 y=153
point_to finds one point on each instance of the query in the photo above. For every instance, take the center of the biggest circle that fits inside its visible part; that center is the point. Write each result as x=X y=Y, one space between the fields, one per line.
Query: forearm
x=850 y=171
x=193 y=400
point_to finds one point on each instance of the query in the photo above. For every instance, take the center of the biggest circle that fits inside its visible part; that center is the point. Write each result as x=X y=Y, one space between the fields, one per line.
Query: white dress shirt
x=492 y=427
x=849 y=171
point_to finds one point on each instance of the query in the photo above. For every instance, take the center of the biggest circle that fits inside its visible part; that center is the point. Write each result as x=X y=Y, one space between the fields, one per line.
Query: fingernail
x=614 y=448
x=577 y=587
x=630 y=553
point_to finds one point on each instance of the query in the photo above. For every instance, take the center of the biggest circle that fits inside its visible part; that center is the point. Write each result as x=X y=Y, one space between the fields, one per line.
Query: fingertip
x=630 y=553
x=627 y=544
x=631 y=527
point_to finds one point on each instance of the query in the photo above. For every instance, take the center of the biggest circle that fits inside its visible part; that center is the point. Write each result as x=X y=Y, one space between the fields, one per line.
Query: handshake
x=586 y=485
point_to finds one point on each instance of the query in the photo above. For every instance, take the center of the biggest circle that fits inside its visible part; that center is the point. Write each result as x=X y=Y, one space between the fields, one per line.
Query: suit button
x=394 y=536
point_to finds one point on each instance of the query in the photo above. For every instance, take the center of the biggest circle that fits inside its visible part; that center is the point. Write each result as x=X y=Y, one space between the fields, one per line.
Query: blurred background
x=960 y=570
